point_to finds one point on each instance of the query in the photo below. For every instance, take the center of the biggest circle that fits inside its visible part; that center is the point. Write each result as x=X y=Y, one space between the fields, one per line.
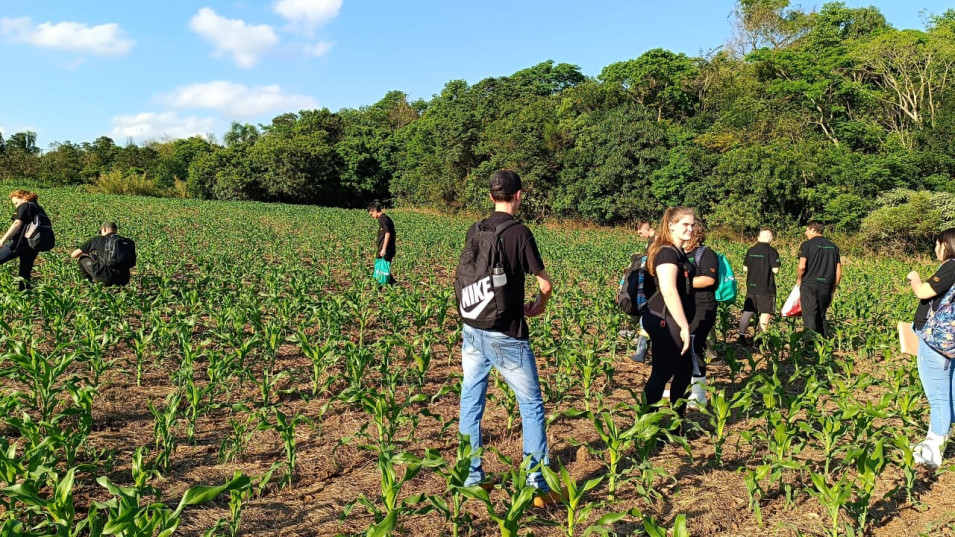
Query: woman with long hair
x=14 y=244
x=707 y=266
x=935 y=370
x=670 y=308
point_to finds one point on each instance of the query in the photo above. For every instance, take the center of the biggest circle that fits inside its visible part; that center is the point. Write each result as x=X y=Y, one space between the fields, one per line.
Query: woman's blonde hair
x=25 y=195
x=663 y=236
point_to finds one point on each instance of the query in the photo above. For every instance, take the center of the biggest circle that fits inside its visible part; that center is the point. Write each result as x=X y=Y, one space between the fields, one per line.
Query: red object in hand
x=793 y=305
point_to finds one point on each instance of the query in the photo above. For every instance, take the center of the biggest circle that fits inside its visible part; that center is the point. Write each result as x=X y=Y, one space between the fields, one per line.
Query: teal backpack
x=726 y=286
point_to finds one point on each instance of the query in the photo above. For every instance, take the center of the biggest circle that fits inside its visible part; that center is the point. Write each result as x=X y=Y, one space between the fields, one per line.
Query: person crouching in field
x=96 y=260
x=935 y=370
x=15 y=244
x=761 y=266
x=670 y=308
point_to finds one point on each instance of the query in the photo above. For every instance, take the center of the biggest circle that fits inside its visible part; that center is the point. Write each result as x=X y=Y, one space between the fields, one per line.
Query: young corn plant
x=125 y=513
x=618 y=440
x=519 y=498
x=285 y=427
x=832 y=497
x=719 y=413
x=236 y=499
x=321 y=356
x=48 y=516
x=45 y=375
x=164 y=428
x=572 y=497
x=387 y=515
x=455 y=475
x=504 y=396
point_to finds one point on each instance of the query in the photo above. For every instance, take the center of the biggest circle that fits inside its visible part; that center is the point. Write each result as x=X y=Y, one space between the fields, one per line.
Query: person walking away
x=707 y=266
x=106 y=258
x=15 y=245
x=818 y=276
x=386 y=235
x=671 y=306
x=935 y=370
x=500 y=339
x=761 y=266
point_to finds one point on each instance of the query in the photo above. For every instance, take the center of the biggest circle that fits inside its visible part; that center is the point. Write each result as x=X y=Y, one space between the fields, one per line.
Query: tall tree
x=659 y=80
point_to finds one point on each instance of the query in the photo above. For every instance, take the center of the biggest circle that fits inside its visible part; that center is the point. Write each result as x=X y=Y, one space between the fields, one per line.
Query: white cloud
x=238 y=101
x=246 y=43
x=306 y=15
x=103 y=40
x=319 y=49
x=150 y=125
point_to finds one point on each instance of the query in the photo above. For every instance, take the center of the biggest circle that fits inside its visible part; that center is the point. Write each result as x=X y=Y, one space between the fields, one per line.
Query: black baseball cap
x=505 y=183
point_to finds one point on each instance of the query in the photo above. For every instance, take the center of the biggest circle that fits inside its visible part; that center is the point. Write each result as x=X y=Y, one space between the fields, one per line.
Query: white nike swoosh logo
x=478 y=308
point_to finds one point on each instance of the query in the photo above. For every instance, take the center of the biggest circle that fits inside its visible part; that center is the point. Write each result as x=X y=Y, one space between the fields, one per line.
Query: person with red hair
x=14 y=244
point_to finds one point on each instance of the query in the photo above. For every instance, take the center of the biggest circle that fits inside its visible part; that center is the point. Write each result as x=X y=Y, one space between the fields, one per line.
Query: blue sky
x=148 y=70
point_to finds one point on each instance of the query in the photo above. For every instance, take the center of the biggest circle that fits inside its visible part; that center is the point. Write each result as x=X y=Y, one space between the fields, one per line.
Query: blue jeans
x=513 y=358
x=935 y=372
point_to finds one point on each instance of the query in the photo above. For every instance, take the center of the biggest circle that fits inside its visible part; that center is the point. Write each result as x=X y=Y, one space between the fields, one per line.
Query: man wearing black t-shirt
x=704 y=319
x=89 y=255
x=761 y=266
x=505 y=347
x=820 y=270
x=386 y=234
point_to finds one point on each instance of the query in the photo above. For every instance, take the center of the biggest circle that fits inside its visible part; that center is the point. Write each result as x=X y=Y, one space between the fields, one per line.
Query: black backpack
x=39 y=232
x=119 y=252
x=480 y=293
x=630 y=297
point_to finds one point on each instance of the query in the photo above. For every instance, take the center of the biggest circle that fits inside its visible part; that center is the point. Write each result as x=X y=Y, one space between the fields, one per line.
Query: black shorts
x=760 y=304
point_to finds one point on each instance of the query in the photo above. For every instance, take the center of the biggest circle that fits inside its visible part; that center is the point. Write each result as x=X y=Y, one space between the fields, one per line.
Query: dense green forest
x=830 y=114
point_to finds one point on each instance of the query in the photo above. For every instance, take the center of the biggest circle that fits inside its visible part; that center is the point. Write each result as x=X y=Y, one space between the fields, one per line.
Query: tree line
x=828 y=114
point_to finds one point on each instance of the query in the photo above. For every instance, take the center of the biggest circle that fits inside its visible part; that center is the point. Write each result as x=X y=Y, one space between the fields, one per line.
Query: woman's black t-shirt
x=706 y=263
x=684 y=283
x=941 y=282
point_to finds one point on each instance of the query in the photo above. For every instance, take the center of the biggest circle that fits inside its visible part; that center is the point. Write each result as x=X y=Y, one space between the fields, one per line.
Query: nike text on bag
x=481 y=277
x=939 y=330
x=39 y=232
x=119 y=252
x=630 y=297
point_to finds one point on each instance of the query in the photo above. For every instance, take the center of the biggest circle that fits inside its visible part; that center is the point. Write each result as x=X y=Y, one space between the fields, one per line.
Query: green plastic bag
x=727 y=288
x=382 y=271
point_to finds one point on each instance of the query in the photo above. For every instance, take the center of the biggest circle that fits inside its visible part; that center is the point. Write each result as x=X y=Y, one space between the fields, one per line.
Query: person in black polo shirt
x=761 y=266
x=92 y=267
x=820 y=269
x=386 y=234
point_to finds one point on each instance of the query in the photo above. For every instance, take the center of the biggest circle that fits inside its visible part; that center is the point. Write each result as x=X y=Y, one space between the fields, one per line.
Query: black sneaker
x=743 y=340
